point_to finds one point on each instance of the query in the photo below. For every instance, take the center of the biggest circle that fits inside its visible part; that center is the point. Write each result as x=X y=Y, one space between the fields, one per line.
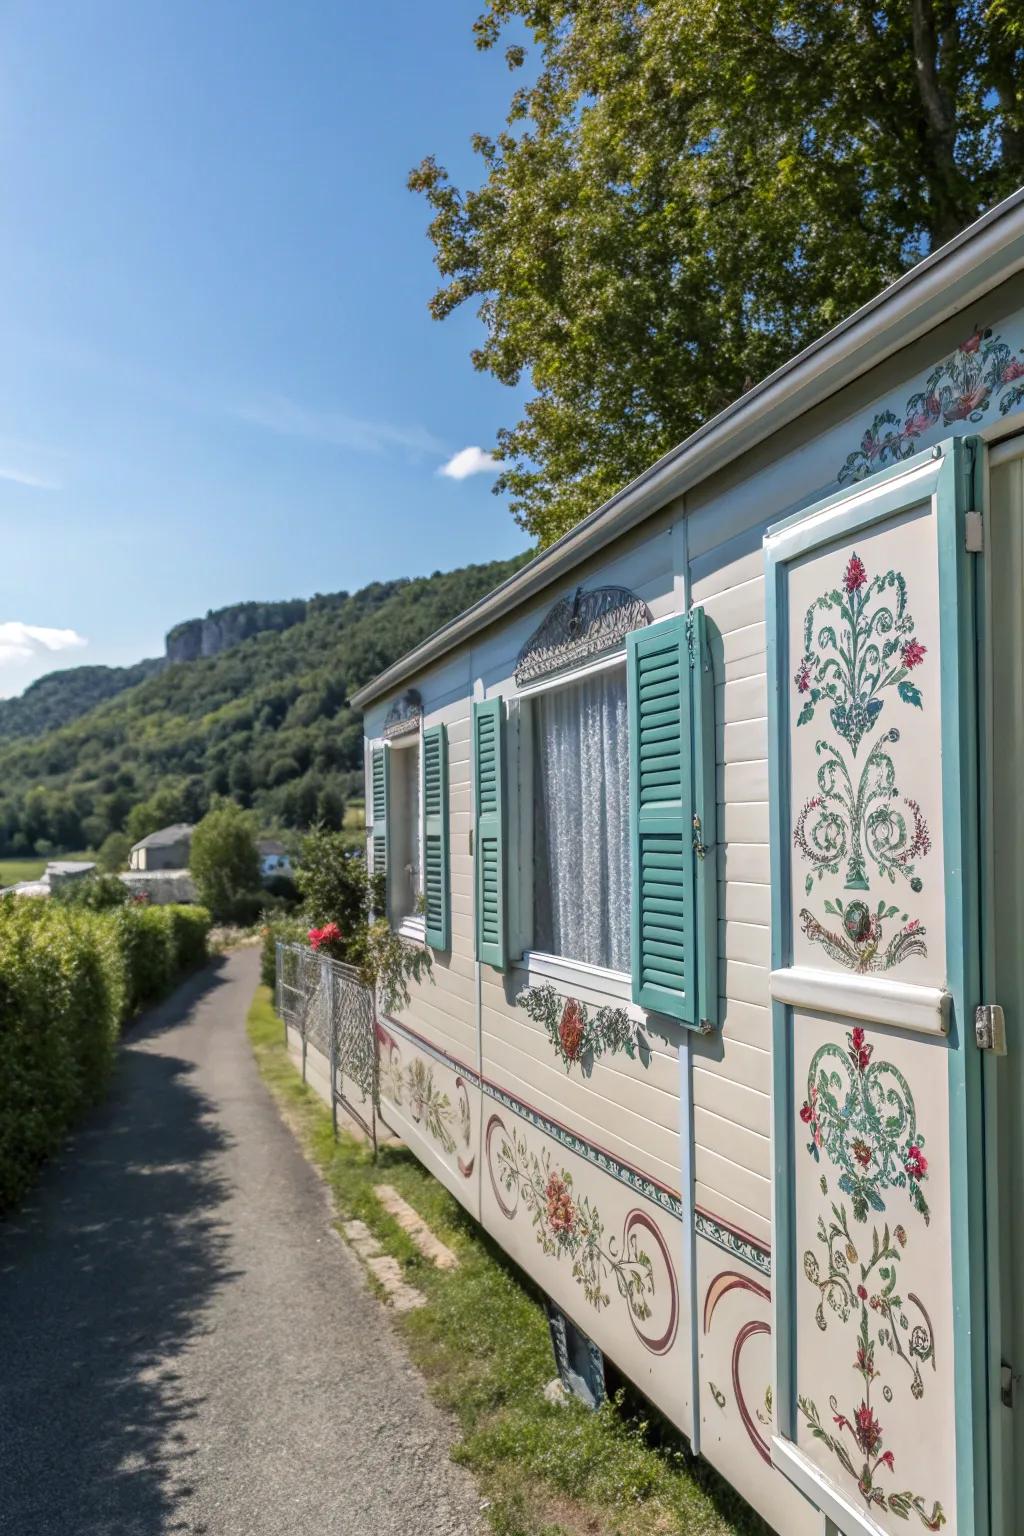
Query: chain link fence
x=329 y=1007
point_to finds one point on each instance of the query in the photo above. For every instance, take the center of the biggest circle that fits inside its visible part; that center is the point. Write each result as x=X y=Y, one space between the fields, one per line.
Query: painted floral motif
x=576 y=1035
x=413 y=1087
x=962 y=387
x=857 y=644
x=852 y=825
x=569 y=1225
x=861 y=1114
x=860 y=942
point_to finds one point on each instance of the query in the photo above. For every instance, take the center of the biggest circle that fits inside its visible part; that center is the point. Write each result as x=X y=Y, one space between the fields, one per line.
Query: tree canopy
x=686 y=192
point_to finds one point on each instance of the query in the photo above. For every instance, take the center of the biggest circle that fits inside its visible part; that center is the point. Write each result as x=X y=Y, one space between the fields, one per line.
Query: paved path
x=184 y=1344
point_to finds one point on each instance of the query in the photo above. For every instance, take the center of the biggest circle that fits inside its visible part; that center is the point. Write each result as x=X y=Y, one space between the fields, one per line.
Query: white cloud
x=19 y=642
x=470 y=461
x=25 y=477
x=337 y=428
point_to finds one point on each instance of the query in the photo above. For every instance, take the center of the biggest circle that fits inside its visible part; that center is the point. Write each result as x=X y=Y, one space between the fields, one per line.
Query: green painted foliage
x=686 y=194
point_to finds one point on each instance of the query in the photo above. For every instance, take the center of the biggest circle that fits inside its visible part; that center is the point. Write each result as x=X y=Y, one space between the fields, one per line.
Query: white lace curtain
x=581 y=876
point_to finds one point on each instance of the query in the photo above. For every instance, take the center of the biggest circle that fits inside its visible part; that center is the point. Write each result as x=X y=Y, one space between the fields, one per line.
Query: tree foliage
x=224 y=861
x=686 y=193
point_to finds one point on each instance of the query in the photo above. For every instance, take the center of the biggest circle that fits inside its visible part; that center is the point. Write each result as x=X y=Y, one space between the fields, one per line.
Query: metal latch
x=974 y=537
x=990 y=1028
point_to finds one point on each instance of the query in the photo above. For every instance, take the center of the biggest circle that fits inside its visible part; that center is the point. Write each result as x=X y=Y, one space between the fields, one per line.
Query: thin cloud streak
x=337 y=428
x=19 y=641
x=470 y=461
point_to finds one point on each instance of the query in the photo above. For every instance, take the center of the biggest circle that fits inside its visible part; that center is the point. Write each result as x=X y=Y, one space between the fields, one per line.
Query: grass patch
x=482 y=1343
x=14 y=870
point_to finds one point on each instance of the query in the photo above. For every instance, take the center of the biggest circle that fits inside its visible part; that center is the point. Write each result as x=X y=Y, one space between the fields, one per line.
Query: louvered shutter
x=489 y=780
x=705 y=820
x=661 y=813
x=380 y=781
x=436 y=880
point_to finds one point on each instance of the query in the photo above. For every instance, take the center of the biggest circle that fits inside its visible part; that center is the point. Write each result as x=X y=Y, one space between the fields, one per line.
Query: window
x=581 y=870
x=405 y=864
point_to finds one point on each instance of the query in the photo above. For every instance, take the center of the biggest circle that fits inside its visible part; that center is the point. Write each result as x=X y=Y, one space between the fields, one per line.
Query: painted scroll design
x=859 y=643
x=861 y=1116
x=720 y=1286
x=412 y=1087
x=568 y=1225
x=962 y=387
x=578 y=1035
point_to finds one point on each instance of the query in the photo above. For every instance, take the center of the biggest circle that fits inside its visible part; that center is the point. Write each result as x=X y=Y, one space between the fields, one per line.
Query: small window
x=582 y=876
x=404 y=830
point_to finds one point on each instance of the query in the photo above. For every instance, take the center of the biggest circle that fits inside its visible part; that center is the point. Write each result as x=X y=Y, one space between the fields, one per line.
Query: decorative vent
x=579 y=627
x=404 y=715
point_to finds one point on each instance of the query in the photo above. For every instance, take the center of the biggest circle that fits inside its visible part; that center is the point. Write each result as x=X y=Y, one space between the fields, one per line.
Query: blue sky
x=219 y=379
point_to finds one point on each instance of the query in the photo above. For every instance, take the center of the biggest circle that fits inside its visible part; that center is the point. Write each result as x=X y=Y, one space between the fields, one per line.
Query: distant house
x=58 y=871
x=274 y=858
x=167 y=849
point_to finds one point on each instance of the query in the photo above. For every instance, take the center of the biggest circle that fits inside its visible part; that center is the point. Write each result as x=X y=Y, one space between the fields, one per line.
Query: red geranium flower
x=913 y=653
x=855 y=575
x=330 y=933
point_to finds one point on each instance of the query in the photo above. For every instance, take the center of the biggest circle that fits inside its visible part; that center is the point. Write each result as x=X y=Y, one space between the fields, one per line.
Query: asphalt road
x=184 y=1344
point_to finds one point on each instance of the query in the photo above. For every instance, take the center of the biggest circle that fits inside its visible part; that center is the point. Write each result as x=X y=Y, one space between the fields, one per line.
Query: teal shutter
x=489 y=841
x=436 y=864
x=661 y=813
x=380 y=782
x=705 y=819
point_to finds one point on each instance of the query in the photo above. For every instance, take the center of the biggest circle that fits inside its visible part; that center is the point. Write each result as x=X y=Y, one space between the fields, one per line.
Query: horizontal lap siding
x=732 y=1070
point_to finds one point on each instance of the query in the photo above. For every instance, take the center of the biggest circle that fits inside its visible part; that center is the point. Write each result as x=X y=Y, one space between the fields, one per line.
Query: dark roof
x=166 y=836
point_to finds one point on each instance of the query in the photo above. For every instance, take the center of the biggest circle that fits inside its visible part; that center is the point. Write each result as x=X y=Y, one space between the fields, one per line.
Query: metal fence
x=329 y=1007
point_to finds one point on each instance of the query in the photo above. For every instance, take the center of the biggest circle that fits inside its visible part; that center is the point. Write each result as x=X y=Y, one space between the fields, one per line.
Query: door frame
x=950 y=475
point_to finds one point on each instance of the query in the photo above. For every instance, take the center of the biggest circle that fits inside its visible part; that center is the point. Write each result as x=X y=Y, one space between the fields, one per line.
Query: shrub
x=61 y=992
x=189 y=928
x=114 y=853
x=99 y=893
x=283 y=890
x=278 y=928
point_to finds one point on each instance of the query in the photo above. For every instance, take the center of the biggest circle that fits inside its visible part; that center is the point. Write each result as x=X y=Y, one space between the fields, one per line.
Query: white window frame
x=589 y=983
x=414 y=925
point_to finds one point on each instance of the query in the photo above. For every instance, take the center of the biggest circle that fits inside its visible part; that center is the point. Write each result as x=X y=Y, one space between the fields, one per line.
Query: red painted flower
x=901 y=1236
x=806 y=1114
x=803 y=679
x=860 y=1052
x=1013 y=370
x=886 y=1461
x=867 y=1430
x=913 y=653
x=561 y=1211
x=570 y=1030
x=862 y=1292
x=972 y=343
x=862 y=1152
x=913 y=925
x=855 y=575
x=915 y=1162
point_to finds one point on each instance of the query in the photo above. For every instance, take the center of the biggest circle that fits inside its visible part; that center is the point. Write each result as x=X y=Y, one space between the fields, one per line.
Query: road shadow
x=105 y=1279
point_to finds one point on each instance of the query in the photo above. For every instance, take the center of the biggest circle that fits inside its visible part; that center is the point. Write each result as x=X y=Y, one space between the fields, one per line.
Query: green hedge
x=279 y=928
x=69 y=977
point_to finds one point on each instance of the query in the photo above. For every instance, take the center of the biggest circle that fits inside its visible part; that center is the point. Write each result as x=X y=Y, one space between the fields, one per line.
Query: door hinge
x=1006 y=1384
x=990 y=1028
x=974 y=534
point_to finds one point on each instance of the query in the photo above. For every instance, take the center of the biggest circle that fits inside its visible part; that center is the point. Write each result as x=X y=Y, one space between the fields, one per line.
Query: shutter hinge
x=1006 y=1384
x=990 y=1028
x=974 y=533
x=699 y=848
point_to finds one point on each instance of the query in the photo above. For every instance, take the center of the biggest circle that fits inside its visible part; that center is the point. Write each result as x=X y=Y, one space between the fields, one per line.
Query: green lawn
x=482 y=1343
x=13 y=870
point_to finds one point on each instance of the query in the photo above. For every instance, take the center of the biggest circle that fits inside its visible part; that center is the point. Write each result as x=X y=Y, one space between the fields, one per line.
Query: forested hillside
x=266 y=722
x=60 y=697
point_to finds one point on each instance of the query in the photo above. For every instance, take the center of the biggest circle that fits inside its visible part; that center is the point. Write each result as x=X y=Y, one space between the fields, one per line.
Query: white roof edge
x=983 y=255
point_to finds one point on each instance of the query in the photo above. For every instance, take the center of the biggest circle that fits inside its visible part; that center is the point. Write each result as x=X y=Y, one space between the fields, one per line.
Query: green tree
x=114 y=852
x=225 y=862
x=162 y=809
x=687 y=193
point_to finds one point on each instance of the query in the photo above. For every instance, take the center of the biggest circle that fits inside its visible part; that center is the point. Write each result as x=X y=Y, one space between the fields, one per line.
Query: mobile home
x=711 y=819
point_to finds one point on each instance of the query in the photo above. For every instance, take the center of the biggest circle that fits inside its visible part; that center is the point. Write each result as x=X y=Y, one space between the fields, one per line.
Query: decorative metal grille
x=580 y=627
x=404 y=715
x=330 y=1008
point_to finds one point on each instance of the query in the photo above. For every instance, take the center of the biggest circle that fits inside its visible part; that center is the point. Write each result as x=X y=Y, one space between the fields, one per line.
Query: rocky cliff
x=225 y=627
